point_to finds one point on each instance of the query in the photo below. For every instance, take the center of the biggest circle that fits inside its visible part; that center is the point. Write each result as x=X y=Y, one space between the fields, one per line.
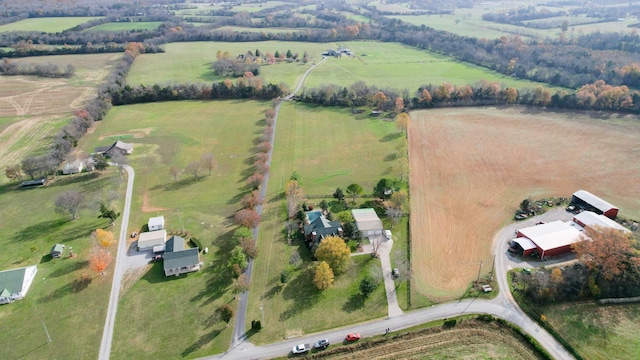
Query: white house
x=156 y=223
x=15 y=283
x=367 y=222
x=148 y=240
x=73 y=167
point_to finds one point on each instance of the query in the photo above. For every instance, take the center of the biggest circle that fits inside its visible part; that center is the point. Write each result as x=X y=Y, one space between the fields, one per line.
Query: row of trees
x=47 y=69
x=207 y=162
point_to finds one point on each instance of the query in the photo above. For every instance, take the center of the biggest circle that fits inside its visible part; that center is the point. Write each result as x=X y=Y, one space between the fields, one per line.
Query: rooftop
x=554 y=234
x=175 y=260
x=592 y=219
x=593 y=200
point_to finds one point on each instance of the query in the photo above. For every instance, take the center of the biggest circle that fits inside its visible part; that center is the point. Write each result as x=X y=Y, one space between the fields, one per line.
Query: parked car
x=395 y=272
x=353 y=337
x=570 y=208
x=321 y=344
x=134 y=234
x=300 y=349
x=156 y=258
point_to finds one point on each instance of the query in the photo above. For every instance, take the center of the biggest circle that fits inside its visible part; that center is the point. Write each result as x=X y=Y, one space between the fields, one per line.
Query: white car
x=300 y=349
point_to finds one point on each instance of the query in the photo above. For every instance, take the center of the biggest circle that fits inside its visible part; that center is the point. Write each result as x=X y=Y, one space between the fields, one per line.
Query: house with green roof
x=178 y=260
x=317 y=227
x=15 y=283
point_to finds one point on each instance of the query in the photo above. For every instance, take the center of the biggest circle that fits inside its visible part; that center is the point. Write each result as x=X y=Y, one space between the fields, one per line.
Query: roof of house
x=184 y=258
x=152 y=238
x=554 y=234
x=57 y=248
x=591 y=219
x=174 y=244
x=118 y=144
x=366 y=219
x=158 y=220
x=593 y=200
x=12 y=280
x=77 y=165
x=319 y=223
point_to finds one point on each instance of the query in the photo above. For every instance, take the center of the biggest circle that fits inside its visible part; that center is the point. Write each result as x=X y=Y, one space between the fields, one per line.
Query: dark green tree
x=100 y=162
x=338 y=194
x=384 y=188
x=289 y=54
x=368 y=285
x=107 y=213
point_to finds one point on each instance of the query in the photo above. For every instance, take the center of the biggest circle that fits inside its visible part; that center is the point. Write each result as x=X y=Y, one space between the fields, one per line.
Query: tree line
x=46 y=69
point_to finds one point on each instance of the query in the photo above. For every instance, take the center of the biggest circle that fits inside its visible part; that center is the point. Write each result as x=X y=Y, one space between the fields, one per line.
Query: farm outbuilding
x=56 y=250
x=151 y=239
x=587 y=201
x=156 y=223
x=591 y=219
x=367 y=222
x=550 y=239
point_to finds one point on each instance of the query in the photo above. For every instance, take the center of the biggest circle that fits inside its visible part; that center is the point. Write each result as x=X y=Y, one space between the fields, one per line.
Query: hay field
x=48 y=25
x=470 y=168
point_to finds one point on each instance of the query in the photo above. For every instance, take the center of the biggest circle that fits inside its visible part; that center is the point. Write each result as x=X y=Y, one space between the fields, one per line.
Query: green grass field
x=173 y=134
x=274 y=30
x=125 y=26
x=72 y=308
x=49 y=25
x=598 y=332
x=402 y=67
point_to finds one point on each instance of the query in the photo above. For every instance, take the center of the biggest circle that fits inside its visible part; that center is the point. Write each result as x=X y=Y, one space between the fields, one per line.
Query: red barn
x=549 y=239
x=588 y=201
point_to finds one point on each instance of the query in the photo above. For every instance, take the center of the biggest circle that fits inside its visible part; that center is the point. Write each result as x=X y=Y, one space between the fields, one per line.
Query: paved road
x=118 y=271
x=240 y=323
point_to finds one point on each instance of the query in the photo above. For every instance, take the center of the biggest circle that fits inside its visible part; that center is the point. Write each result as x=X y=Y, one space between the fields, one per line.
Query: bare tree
x=69 y=202
x=174 y=171
x=209 y=162
x=193 y=168
x=13 y=172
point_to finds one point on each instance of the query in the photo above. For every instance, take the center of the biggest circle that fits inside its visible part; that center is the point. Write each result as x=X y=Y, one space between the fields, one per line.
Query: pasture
x=125 y=26
x=598 y=332
x=174 y=134
x=66 y=294
x=48 y=25
x=470 y=168
x=328 y=148
x=33 y=108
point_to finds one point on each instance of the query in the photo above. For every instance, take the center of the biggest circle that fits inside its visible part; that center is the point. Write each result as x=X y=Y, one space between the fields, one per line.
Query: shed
x=15 y=283
x=33 y=183
x=590 y=202
x=367 y=222
x=56 y=250
x=148 y=240
x=591 y=219
x=552 y=238
x=156 y=223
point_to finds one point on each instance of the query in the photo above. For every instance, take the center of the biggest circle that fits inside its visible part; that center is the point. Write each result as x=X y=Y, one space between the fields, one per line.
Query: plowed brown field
x=471 y=167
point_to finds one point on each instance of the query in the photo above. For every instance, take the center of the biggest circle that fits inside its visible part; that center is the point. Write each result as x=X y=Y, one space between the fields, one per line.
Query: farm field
x=69 y=297
x=398 y=66
x=328 y=148
x=125 y=26
x=189 y=62
x=470 y=168
x=598 y=332
x=163 y=138
x=474 y=340
x=34 y=108
x=48 y=25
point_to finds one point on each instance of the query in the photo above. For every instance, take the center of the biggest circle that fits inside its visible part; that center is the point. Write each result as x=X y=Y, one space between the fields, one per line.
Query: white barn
x=367 y=222
x=156 y=223
x=148 y=240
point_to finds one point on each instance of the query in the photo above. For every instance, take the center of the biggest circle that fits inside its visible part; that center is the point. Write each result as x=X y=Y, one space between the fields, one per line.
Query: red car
x=353 y=337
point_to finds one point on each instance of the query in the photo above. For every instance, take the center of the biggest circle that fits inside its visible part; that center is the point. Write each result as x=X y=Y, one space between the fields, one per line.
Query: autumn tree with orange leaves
x=607 y=252
x=99 y=259
x=103 y=238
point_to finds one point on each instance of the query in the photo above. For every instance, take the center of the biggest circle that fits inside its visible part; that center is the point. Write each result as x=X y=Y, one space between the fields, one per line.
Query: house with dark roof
x=317 y=227
x=120 y=147
x=178 y=260
x=15 y=283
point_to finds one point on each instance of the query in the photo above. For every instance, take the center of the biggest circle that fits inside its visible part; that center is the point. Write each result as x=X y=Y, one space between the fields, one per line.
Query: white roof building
x=554 y=237
x=148 y=240
x=591 y=219
x=367 y=222
x=156 y=223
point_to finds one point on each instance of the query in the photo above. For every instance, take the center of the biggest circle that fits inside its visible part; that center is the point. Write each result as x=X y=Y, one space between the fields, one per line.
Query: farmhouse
x=117 y=147
x=587 y=201
x=156 y=223
x=56 y=251
x=367 y=222
x=591 y=219
x=318 y=226
x=148 y=240
x=15 y=283
x=178 y=260
x=73 y=167
x=549 y=239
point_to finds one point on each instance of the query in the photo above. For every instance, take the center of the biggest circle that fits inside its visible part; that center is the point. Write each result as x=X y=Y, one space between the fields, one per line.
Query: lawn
x=48 y=25
x=125 y=26
x=174 y=134
x=68 y=297
x=399 y=66
x=189 y=62
x=598 y=331
x=328 y=148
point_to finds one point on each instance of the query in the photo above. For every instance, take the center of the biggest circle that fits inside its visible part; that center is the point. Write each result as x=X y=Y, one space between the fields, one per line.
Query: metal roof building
x=551 y=239
x=588 y=201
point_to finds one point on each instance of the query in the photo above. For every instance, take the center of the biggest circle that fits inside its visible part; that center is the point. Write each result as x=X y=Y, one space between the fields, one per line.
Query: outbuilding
x=151 y=239
x=367 y=222
x=156 y=223
x=56 y=250
x=550 y=239
x=15 y=283
x=591 y=219
x=587 y=201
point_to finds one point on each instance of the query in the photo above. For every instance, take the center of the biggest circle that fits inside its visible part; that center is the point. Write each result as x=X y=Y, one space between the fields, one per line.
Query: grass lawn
x=598 y=332
x=174 y=134
x=66 y=295
x=48 y=25
x=400 y=66
x=125 y=26
x=328 y=148
x=189 y=62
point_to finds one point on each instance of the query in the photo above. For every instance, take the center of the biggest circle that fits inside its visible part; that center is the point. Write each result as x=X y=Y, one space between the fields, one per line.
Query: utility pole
x=493 y=265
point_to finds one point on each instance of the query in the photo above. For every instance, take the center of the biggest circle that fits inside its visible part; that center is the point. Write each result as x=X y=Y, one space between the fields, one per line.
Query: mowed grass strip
x=66 y=295
x=48 y=25
x=176 y=317
x=328 y=148
x=596 y=331
x=124 y=26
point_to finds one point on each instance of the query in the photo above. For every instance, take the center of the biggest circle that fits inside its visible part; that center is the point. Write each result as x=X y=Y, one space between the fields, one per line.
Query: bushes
x=196 y=243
